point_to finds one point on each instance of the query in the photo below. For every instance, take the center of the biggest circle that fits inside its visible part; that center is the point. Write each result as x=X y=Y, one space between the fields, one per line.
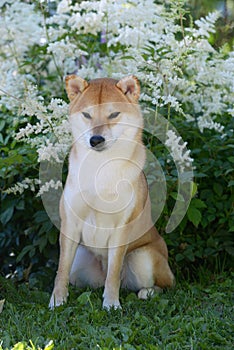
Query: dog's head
x=104 y=111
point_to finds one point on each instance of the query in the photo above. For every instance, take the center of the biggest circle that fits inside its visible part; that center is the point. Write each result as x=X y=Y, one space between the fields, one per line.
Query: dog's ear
x=130 y=86
x=75 y=86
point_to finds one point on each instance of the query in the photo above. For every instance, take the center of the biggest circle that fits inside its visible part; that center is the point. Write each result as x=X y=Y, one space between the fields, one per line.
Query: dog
x=107 y=235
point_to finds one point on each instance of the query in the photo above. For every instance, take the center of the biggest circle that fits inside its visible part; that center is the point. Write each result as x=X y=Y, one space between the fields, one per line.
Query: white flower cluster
x=20 y=27
x=191 y=77
x=48 y=185
x=25 y=184
x=65 y=51
x=178 y=151
x=209 y=124
x=206 y=25
x=32 y=184
x=50 y=135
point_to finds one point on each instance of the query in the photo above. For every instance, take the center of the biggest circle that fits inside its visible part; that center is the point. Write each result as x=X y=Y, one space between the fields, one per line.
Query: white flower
x=208 y=123
x=63 y=50
x=64 y=6
x=20 y=187
x=206 y=25
x=178 y=151
x=48 y=185
x=20 y=34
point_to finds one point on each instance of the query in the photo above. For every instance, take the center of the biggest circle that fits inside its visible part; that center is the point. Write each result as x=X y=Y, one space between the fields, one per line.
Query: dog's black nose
x=97 y=141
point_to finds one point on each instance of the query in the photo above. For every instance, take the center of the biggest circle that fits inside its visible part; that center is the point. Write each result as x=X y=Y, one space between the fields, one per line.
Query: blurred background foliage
x=225 y=25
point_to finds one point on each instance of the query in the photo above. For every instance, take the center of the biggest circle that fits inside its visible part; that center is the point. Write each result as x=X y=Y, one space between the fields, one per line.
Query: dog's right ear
x=130 y=86
x=75 y=86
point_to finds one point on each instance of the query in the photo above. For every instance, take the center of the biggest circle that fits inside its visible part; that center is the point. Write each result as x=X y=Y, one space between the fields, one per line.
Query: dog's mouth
x=99 y=148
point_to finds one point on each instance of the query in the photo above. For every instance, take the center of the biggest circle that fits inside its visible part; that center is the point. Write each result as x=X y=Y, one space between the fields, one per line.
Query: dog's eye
x=86 y=115
x=113 y=115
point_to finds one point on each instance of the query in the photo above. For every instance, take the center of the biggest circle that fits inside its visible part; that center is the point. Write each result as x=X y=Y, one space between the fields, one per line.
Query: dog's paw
x=57 y=300
x=108 y=305
x=146 y=293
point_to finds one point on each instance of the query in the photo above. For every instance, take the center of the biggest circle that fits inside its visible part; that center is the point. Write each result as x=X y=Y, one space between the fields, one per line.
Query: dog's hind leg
x=146 y=271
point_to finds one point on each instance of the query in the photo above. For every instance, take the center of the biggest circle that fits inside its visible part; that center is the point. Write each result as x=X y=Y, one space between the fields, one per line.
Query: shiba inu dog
x=107 y=235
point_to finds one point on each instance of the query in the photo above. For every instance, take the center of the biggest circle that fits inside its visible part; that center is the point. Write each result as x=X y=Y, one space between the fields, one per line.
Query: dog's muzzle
x=97 y=142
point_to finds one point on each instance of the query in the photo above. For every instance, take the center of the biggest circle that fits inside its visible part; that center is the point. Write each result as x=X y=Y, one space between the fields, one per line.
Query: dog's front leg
x=112 y=284
x=68 y=249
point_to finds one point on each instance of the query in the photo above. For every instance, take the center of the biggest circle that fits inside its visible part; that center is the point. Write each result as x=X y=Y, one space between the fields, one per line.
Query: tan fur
x=107 y=236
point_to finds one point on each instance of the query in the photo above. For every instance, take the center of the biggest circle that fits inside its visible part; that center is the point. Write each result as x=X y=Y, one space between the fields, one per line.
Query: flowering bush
x=183 y=79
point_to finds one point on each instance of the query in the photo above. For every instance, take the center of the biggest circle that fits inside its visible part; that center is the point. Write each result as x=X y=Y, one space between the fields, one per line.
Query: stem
x=182 y=28
x=156 y=115
x=8 y=94
x=107 y=47
x=169 y=111
x=168 y=116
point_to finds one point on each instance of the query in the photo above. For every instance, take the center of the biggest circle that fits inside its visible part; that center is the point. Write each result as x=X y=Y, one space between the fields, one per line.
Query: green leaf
x=7 y=215
x=12 y=159
x=218 y=189
x=194 y=189
x=189 y=255
x=230 y=250
x=231 y=183
x=24 y=251
x=198 y=203
x=84 y=298
x=52 y=236
x=194 y=216
x=179 y=257
x=32 y=252
x=2 y=124
x=128 y=57
x=177 y=196
x=20 y=205
x=42 y=243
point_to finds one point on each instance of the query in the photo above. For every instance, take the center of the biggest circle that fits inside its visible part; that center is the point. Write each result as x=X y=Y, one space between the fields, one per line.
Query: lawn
x=191 y=316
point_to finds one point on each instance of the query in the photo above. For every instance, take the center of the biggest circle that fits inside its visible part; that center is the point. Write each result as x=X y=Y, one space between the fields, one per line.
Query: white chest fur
x=101 y=194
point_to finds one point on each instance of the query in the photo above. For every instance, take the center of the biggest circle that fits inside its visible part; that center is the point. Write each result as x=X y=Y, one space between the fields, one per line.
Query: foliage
x=205 y=235
x=184 y=78
x=225 y=24
x=197 y=316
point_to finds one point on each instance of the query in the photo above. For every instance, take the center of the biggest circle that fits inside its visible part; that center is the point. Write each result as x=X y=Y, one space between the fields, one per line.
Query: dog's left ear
x=75 y=86
x=130 y=86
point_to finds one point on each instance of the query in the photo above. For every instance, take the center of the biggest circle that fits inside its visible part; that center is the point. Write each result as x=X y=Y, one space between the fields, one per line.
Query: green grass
x=191 y=316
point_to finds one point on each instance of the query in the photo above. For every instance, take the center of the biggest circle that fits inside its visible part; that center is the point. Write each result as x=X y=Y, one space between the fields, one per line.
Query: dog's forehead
x=103 y=109
x=101 y=93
